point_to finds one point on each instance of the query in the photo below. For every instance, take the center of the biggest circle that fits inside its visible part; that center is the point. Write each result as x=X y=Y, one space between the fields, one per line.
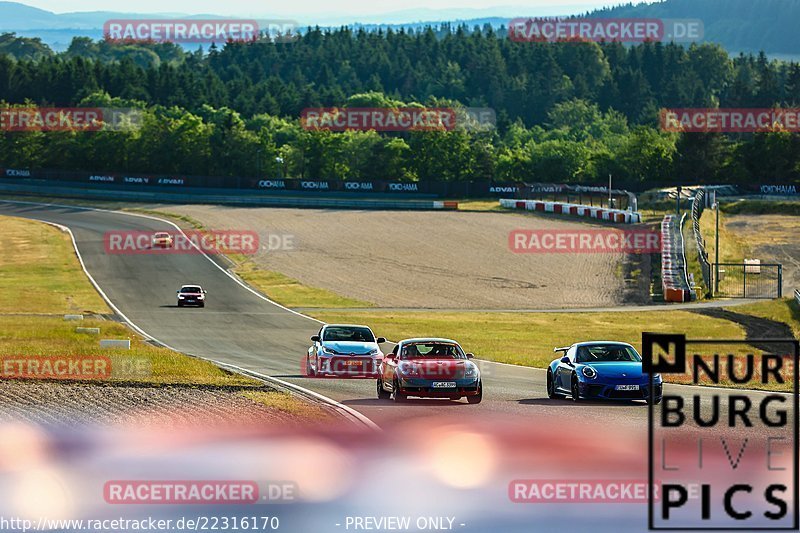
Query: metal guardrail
x=797 y=296
x=698 y=204
x=244 y=200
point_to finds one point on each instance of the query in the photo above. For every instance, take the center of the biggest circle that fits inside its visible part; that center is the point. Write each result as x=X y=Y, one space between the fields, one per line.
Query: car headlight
x=328 y=351
x=589 y=372
x=181 y=296
x=471 y=371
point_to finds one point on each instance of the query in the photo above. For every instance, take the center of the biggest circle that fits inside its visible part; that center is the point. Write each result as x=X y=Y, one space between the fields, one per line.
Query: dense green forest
x=567 y=112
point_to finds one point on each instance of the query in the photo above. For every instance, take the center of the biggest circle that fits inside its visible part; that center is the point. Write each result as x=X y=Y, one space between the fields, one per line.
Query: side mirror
x=177 y=292
x=470 y=356
x=391 y=356
x=566 y=360
x=315 y=338
x=380 y=340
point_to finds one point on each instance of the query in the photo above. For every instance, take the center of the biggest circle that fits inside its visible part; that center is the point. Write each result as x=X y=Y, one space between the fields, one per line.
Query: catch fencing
x=749 y=280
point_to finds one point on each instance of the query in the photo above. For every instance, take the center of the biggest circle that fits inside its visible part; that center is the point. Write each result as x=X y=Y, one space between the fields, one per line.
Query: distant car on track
x=191 y=295
x=162 y=239
x=430 y=368
x=344 y=350
x=600 y=370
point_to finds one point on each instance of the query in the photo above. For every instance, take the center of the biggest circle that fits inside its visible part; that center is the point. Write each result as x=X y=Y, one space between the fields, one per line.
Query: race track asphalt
x=240 y=328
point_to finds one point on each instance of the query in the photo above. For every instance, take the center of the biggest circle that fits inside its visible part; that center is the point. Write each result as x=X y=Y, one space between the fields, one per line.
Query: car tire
x=477 y=398
x=551 y=386
x=202 y=305
x=309 y=370
x=576 y=393
x=180 y=304
x=398 y=396
x=382 y=394
x=656 y=402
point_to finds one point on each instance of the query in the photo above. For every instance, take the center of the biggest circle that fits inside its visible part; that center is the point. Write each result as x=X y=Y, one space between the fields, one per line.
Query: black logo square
x=669 y=352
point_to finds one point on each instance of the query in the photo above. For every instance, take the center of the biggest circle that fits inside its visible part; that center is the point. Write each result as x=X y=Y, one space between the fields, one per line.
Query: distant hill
x=738 y=25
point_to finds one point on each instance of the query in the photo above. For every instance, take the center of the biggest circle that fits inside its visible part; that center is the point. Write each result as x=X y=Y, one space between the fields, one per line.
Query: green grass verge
x=529 y=338
x=762 y=207
x=40 y=275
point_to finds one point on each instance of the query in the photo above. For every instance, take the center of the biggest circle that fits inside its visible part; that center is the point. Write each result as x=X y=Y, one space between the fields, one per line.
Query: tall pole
x=678 y=202
x=716 y=252
x=610 y=202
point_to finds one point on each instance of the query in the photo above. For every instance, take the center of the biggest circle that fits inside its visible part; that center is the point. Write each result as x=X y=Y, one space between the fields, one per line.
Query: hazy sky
x=307 y=7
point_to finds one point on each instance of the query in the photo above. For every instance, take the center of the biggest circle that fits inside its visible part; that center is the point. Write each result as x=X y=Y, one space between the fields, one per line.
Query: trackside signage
x=588 y=241
x=723 y=452
x=385 y=119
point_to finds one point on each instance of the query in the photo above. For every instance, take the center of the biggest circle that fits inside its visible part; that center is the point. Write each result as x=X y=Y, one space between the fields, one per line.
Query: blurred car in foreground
x=430 y=368
x=344 y=350
x=600 y=370
x=191 y=295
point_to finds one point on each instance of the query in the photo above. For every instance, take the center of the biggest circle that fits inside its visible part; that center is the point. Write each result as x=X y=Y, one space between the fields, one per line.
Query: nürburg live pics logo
x=723 y=442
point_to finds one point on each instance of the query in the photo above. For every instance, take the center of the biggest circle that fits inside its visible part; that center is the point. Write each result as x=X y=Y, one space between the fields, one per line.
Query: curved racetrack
x=241 y=328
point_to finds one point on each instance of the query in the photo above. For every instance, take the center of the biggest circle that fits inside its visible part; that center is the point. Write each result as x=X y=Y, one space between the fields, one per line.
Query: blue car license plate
x=627 y=387
x=444 y=384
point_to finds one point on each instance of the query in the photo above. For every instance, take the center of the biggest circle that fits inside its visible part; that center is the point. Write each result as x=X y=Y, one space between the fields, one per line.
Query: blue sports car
x=600 y=370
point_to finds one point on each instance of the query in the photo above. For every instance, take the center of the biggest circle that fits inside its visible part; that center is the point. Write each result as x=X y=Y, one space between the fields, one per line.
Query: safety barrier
x=600 y=213
x=674 y=280
x=243 y=199
x=797 y=296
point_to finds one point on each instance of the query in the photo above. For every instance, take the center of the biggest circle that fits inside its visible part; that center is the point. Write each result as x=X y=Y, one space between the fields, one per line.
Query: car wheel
x=551 y=386
x=202 y=304
x=576 y=393
x=309 y=370
x=655 y=402
x=478 y=397
x=382 y=394
x=180 y=304
x=398 y=396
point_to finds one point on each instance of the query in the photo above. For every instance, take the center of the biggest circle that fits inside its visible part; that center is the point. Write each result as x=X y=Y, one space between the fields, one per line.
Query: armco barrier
x=243 y=199
x=673 y=262
x=610 y=215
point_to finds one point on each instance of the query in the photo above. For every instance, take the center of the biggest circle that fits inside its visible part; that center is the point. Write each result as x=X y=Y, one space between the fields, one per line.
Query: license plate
x=352 y=363
x=444 y=385
x=627 y=387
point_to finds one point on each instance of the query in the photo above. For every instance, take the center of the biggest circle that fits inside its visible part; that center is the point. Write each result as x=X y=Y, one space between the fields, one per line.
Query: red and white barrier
x=450 y=206
x=601 y=213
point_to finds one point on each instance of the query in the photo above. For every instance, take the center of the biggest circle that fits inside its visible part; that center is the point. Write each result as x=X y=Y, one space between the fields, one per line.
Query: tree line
x=566 y=112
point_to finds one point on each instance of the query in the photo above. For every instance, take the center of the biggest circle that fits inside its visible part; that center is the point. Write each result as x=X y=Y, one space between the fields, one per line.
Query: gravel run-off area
x=427 y=259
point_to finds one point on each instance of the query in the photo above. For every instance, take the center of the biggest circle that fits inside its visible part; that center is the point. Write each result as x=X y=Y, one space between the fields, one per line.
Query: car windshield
x=348 y=334
x=606 y=353
x=432 y=350
x=191 y=289
x=161 y=235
